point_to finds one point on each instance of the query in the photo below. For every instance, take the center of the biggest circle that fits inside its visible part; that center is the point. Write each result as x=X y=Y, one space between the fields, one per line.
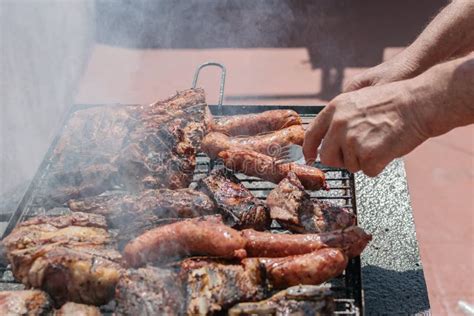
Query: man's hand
x=368 y=128
x=398 y=68
x=365 y=129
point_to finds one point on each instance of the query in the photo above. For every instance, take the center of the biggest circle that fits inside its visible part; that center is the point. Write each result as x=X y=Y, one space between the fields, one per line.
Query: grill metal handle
x=222 y=84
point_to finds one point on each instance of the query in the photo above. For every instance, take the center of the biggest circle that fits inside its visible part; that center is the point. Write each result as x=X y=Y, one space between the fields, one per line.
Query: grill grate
x=347 y=288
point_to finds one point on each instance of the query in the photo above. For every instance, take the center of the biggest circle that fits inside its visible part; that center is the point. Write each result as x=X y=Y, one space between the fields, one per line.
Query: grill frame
x=347 y=289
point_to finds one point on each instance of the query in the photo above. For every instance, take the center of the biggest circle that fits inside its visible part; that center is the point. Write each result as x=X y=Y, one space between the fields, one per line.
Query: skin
x=387 y=111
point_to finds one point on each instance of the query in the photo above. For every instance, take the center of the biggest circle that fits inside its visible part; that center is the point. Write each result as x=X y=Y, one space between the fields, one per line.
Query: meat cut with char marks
x=200 y=236
x=238 y=206
x=291 y=206
x=253 y=124
x=213 y=286
x=133 y=214
x=259 y=165
x=137 y=147
x=71 y=257
x=270 y=143
x=27 y=302
x=76 y=309
x=301 y=300
x=149 y=291
x=352 y=240
x=312 y=268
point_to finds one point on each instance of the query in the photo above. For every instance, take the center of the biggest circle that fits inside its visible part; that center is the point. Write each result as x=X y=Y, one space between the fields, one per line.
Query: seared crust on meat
x=270 y=143
x=253 y=124
x=76 y=309
x=291 y=206
x=200 y=236
x=259 y=165
x=352 y=240
x=238 y=206
x=149 y=291
x=312 y=268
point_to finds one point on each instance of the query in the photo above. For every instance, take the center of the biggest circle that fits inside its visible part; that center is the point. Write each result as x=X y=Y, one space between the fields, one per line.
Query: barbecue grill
x=347 y=288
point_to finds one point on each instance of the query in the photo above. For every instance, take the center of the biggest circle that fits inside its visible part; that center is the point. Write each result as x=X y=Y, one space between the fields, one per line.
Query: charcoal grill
x=347 y=288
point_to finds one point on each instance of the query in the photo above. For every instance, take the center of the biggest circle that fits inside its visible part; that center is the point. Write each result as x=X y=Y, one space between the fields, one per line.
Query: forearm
x=443 y=96
x=450 y=34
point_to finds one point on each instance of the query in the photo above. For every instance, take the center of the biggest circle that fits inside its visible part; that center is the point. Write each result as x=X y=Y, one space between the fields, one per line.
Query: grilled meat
x=213 y=286
x=75 y=309
x=304 y=300
x=253 y=124
x=239 y=207
x=312 y=268
x=259 y=165
x=70 y=257
x=291 y=206
x=269 y=143
x=352 y=240
x=30 y=302
x=149 y=291
x=132 y=215
x=137 y=147
x=208 y=236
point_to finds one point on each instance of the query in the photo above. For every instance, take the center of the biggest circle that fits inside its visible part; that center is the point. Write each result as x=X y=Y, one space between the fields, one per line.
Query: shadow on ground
x=396 y=293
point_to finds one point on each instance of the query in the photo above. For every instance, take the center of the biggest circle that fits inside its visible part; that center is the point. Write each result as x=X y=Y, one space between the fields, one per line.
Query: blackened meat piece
x=149 y=291
x=291 y=206
x=303 y=300
x=135 y=147
x=71 y=257
x=212 y=286
x=239 y=207
x=29 y=302
x=134 y=214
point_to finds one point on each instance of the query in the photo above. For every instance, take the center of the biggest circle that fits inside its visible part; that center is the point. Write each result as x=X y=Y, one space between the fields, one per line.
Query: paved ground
x=297 y=55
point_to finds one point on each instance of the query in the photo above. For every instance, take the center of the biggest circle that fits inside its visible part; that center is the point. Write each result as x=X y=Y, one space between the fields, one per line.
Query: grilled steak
x=253 y=124
x=312 y=268
x=149 y=291
x=259 y=165
x=269 y=144
x=291 y=206
x=239 y=207
x=200 y=236
x=70 y=257
x=135 y=214
x=303 y=300
x=137 y=147
x=75 y=309
x=352 y=240
x=212 y=287
x=30 y=302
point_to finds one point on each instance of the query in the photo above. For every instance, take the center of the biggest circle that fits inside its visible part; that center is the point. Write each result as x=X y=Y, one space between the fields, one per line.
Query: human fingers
x=315 y=133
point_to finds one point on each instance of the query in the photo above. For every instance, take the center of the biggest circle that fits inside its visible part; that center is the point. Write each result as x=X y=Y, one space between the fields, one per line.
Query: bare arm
x=449 y=35
x=368 y=128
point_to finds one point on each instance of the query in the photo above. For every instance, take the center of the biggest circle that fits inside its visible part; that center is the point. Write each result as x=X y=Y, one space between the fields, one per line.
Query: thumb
x=358 y=82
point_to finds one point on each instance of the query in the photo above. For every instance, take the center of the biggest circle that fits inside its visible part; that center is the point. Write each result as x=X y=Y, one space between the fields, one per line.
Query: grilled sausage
x=208 y=236
x=253 y=124
x=352 y=240
x=259 y=165
x=312 y=268
x=269 y=143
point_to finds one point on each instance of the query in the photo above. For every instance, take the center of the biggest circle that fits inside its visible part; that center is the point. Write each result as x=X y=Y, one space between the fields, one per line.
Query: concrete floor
x=302 y=59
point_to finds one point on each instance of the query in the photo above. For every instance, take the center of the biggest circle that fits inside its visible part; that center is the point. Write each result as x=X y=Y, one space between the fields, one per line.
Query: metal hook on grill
x=222 y=84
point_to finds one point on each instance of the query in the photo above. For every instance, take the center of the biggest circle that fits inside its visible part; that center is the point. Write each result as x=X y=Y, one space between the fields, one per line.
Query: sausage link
x=259 y=165
x=269 y=143
x=309 y=269
x=253 y=124
x=352 y=240
x=197 y=236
